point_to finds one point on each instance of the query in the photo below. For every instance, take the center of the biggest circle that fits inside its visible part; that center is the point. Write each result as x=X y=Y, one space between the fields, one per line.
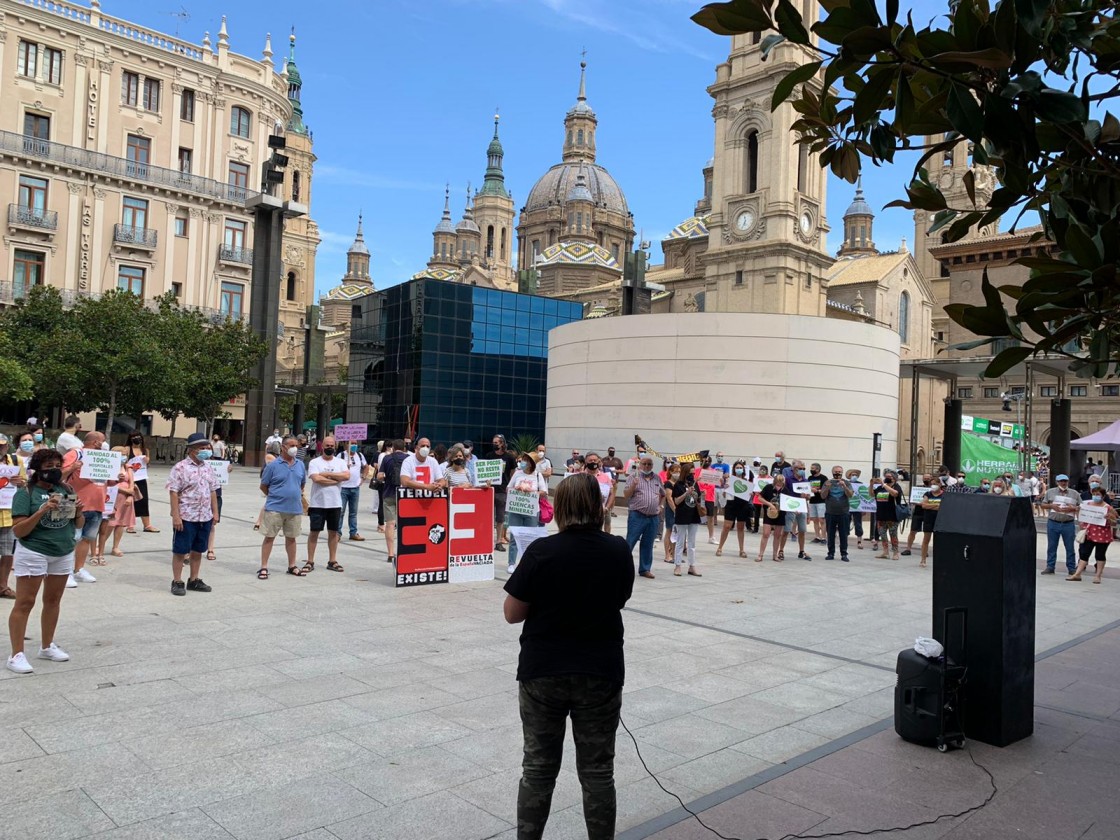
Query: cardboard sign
x=422 y=540
x=221 y=470
x=1068 y=501
x=524 y=503
x=99 y=465
x=526 y=536
x=471 y=546
x=111 y=494
x=761 y=483
x=1093 y=515
x=489 y=472
x=711 y=476
x=741 y=488
x=861 y=501
x=351 y=432
x=802 y=487
x=140 y=470
x=7 y=488
x=918 y=495
x=793 y=504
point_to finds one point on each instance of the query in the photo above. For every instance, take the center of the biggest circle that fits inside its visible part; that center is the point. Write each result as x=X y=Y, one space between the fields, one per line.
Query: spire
x=266 y=56
x=494 y=182
x=445 y=225
x=579 y=124
x=223 y=35
x=582 y=97
x=467 y=223
x=357 y=258
x=295 y=87
x=858 y=223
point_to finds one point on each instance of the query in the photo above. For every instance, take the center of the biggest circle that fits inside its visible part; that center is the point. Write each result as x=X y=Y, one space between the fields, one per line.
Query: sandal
x=262 y=574
x=116 y=552
x=308 y=567
x=781 y=556
x=257 y=527
x=719 y=552
x=333 y=566
x=758 y=559
x=210 y=555
x=742 y=554
x=391 y=559
x=151 y=530
x=677 y=571
x=8 y=593
x=295 y=571
x=130 y=530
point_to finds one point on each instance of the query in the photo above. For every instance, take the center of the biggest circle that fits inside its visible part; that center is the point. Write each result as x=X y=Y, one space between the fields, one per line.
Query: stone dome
x=555 y=185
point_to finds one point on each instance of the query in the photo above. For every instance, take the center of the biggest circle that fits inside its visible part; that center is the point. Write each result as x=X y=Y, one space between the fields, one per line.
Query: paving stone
x=286 y=762
x=57 y=816
x=439 y=816
x=198 y=743
x=409 y=732
x=17 y=745
x=192 y=824
x=410 y=775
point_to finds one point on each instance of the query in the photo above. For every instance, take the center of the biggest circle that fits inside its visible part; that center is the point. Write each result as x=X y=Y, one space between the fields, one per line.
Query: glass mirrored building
x=452 y=362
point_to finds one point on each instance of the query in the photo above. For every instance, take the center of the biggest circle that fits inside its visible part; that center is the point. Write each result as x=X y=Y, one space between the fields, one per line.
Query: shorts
x=92 y=524
x=330 y=517
x=796 y=522
x=816 y=511
x=193 y=539
x=30 y=563
x=273 y=522
x=499 y=507
x=389 y=506
x=7 y=541
x=710 y=508
x=917 y=524
x=738 y=510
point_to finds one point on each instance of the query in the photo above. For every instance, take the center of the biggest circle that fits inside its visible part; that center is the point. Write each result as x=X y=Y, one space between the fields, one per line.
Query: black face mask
x=328 y=450
x=458 y=462
x=51 y=476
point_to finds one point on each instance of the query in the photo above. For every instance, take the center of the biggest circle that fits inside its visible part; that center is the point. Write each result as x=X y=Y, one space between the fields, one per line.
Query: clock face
x=806 y=222
x=744 y=220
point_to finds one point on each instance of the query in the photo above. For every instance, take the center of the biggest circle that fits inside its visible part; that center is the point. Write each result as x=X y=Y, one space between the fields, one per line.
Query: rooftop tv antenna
x=182 y=16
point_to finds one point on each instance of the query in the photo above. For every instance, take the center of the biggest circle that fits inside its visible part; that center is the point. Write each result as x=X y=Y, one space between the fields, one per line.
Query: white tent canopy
x=1105 y=440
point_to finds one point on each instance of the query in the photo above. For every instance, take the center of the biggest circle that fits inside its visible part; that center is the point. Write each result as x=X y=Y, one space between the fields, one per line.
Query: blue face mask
x=27 y=446
x=354 y=447
x=204 y=454
x=801 y=473
x=38 y=437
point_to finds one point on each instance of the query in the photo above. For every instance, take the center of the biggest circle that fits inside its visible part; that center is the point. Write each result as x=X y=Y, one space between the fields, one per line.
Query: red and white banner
x=471 y=549
x=421 y=536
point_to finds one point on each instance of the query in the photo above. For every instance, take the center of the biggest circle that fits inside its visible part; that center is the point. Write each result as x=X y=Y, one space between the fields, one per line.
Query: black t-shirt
x=818 y=480
x=576 y=584
x=770 y=494
x=688 y=514
x=509 y=465
x=391 y=466
x=885 y=503
x=929 y=514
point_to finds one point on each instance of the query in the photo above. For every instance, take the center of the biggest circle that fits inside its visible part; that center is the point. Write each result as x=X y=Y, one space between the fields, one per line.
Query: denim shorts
x=91 y=525
x=193 y=539
x=796 y=522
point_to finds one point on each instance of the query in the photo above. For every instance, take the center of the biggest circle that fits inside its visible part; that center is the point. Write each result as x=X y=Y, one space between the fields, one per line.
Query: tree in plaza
x=15 y=382
x=39 y=331
x=1027 y=83
x=214 y=366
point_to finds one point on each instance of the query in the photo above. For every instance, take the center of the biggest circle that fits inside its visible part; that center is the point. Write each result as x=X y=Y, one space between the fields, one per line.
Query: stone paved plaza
x=338 y=707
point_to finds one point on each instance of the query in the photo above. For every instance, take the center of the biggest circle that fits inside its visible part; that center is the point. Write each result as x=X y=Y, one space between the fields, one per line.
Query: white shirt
x=66 y=442
x=356 y=461
x=325 y=495
x=273 y=439
x=427 y=472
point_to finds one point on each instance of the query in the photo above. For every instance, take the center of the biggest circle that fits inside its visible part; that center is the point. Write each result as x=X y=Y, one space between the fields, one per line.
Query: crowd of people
x=58 y=524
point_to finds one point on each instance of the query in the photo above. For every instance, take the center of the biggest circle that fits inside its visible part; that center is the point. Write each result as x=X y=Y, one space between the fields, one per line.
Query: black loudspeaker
x=984 y=561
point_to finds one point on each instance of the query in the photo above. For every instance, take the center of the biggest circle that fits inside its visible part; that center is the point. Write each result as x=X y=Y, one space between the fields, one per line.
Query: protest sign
x=524 y=503
x=471 y=546
x=1093 y=515
x=710 y=476
x=422 y=524
x=139 y=468
x=489 y=472
x=741 y=488
x=526 y=536
x=793 y=504
x=100 y=465
x=861 y=501
x=800 y=487
x=351 y=432
x=221 y=470
x=761 y=483
x=917 y=494
x=111 y=494
x=7 y=488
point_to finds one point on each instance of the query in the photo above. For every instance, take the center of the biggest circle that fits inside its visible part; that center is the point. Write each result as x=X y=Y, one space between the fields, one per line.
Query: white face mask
x=293 y=451
x=997 y=490
x=104 y=446
x=423 y=451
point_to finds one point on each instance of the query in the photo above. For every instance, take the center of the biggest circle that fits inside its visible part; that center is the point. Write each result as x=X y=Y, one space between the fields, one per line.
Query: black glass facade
x=452 y=362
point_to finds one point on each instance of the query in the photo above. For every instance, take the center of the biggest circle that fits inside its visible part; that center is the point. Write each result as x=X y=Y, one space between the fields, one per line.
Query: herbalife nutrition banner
x=981 y=459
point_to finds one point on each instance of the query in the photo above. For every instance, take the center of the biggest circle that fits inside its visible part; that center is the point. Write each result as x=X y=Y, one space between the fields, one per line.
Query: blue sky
x=401 y=96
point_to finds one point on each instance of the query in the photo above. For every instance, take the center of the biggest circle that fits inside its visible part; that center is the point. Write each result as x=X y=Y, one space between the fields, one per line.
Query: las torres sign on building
x=445 y=536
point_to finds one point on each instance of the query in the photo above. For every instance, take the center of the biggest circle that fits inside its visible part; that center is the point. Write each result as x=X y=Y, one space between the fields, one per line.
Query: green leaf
x=734 y=18
x=795 y=77
x=789 y=22
x=965 y=114
x=991 y=58
x=1060 y=107
x=1006 y=360
x=871 y=101
x=768 y=44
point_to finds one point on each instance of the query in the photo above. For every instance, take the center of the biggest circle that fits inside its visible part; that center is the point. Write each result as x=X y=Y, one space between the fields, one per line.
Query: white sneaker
x=510 y=568
x=712 y=541
x=84 y=576
x=19 y=664
x=54 y=653
x=70 y=582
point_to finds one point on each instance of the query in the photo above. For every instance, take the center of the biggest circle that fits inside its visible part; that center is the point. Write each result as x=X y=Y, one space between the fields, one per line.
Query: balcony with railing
x=235 y=254
x=135 y=237
x=37 y=149
x=33 y=218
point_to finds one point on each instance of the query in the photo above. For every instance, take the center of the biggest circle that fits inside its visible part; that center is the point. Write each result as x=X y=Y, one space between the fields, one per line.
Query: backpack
x=392 y=469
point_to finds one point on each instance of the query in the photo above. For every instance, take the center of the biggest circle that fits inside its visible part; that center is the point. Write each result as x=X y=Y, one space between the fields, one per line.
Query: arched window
x=504 y=257
x=240 y=121
x=569 y=137
x=291 y=290
x=802 y=169
x=904 y=317
x=490 y=242
x=296 y=185
x=579 y=137
x=752 y=163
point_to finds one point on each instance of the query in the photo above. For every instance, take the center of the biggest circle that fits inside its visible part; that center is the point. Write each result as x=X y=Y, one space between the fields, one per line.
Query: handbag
x=901 y=511
x=546 y=512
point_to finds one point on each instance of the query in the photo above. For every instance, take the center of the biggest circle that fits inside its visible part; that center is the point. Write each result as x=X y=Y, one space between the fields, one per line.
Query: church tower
x=493 y=213
x=767 y=227
x=858 y=221
x=579 y=210
x=468 y=237
x=443 y=238
x=357 y=259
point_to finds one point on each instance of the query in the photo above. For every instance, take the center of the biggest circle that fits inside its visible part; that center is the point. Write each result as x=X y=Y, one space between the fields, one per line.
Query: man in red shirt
x=92 y=496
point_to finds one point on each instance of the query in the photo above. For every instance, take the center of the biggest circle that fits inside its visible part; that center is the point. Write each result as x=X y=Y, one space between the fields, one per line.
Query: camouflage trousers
x=594 y=704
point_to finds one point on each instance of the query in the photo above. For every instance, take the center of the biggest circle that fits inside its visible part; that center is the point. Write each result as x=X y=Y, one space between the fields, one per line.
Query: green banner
x=981 y=459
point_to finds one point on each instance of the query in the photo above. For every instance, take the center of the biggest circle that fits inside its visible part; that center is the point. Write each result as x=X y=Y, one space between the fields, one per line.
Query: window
x=940 y=335
x=291 y=290
x=52 y=65
x=239 y=120
x=1110 y=390
x=234 y=236
x=28 y=61
x=991 y=393
x=489 y=242
x=504 y=255
x=232 y=296
x=802 y=168
x=1020 y=390
x=177 y=289
x=964 y=393
x=579 y=137
x=1079 y=390
x=904 y=317
x=36 y=133
x=130 y=88
x=138 y=151
x=738 y=278
x=296 y=185
x=239 y=176
x=752 y=162
x=186 y=105
x=1048 y=391
x=130 y=278
x=355 y=312
x=185 y=158
x=151 y=95
x=182 y=226
x=27 y=271
x=32 y=192
x=135 y=213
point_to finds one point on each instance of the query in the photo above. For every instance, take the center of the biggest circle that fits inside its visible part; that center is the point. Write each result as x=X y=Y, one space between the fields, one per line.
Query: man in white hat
x=194 y=510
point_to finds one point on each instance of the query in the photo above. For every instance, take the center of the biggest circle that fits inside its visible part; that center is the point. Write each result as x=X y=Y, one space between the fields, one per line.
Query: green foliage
x=524 y=443
x=1027 y=83
x=15 y=382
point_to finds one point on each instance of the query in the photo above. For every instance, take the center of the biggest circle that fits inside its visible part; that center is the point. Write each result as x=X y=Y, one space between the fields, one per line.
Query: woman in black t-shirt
x=886 y=495
x=570 y=589
x=688 y=499
x=931 y=503
x=773 y=520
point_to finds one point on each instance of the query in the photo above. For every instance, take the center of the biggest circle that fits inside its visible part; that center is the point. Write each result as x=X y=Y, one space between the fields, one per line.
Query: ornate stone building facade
x=127 y=157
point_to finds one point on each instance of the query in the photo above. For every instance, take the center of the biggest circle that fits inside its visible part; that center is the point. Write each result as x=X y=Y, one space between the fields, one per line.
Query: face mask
x=136 y=441
x=522 y=465
x=837 y=475
x=985 y=487
x=328 y=450
x=719 y=459
x=593 y=466
x=997 y=490
x=1093 y=485
x=801 y=473
x=27 y=446
x=647 y=471
x=51 y=476
x=104 y=446
x=423 y=451
x=38 y=437
x=540 y=453
x=675 y=476
x=458 y=462
x=738 y=471
x=354 y=448
x=293 y=451
x=610 y=452
x=1097 y=497
x=203 y=454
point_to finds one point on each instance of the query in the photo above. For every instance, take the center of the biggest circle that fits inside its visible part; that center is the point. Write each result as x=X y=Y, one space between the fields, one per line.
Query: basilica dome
x=553 y=187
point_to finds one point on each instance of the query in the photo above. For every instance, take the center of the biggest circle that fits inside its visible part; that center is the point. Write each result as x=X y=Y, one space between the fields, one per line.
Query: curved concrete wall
x=748 y=384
